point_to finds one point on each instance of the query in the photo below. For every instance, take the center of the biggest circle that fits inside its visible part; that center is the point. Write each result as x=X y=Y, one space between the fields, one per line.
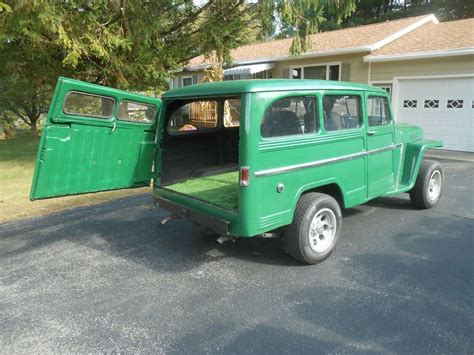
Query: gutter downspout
x=368 y=76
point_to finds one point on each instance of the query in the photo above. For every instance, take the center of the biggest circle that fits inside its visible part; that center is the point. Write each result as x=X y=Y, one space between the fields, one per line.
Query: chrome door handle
x=371 y=133
x=113 y=128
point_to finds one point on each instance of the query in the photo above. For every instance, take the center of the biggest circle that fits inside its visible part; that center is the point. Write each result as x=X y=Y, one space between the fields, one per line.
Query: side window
x=341 y=112
x=290 y=116
x=136 y=112
x=378 y=111
x=82 y=104
x=232 y=109
x=193 y=116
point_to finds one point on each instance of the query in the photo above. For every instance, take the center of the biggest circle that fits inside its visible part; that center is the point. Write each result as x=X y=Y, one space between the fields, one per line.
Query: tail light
x=244 y=175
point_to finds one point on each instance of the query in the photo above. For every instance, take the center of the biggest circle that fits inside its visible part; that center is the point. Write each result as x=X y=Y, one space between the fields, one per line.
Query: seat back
x=281 y=123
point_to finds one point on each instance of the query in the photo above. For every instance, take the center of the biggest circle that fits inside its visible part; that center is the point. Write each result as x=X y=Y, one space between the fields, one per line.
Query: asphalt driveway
x=109 y=278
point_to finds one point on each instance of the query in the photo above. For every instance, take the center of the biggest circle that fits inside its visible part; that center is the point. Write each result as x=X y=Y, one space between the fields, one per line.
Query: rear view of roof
x=321 y=42
x=234 y=87
x=432 y=37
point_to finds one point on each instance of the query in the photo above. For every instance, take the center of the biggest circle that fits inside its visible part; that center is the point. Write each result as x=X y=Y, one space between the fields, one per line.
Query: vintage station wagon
x=241 y=158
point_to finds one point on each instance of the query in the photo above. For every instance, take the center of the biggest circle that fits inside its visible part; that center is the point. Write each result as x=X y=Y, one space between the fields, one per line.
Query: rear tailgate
x=218 y=219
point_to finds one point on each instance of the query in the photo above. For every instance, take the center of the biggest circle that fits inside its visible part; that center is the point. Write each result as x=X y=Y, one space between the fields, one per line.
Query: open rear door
x=95 y=139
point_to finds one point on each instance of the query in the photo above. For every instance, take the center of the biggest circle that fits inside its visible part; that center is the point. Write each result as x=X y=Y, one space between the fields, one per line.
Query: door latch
x=114 y=126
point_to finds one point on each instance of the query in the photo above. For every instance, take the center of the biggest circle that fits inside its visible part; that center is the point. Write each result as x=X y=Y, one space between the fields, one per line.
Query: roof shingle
x=323 y=41
x=432 y=37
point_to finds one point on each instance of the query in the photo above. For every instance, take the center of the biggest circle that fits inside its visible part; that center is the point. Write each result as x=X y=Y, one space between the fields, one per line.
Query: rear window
x=194 y=116
x=82 y=104
x=136 y=112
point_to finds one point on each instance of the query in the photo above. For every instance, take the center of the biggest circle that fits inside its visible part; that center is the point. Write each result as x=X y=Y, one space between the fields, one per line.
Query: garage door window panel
x=431 y=103
x=455 y=104
x=410 y=103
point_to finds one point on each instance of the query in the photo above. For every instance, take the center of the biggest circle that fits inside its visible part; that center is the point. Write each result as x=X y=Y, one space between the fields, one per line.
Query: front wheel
x=429 y=185
x=315 y=230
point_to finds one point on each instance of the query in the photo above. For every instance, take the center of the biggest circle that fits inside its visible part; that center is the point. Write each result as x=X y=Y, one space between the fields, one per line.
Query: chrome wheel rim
x=434 y=185
x=322 y=230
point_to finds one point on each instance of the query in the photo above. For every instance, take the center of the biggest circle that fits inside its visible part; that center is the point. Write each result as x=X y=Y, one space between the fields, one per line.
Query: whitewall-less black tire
x=315 y=230
x=428 y=186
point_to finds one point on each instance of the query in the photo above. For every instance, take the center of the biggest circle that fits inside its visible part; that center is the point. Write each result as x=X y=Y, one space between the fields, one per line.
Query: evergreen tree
x=131 y=44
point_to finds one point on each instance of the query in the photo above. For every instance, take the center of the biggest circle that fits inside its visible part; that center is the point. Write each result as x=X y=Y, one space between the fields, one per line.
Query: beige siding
x=354 y=69
x=423 y=67
x=358 y=70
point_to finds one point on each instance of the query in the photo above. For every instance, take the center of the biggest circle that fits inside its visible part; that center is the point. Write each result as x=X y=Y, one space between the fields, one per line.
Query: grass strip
x=220 y=189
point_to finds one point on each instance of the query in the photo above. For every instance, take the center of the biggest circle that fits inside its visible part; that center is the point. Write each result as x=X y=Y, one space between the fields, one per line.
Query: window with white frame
x=265 y=74
x=386 y=86
x=186 y=80
x=326 y=71
x=232 y=77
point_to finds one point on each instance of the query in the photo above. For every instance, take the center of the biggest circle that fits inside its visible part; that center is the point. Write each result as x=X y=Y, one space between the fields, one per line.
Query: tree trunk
x=34 y=128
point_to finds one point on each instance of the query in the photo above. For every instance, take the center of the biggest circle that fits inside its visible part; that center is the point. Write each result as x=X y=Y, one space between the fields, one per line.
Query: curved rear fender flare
x=315 y=185
x=414 y=154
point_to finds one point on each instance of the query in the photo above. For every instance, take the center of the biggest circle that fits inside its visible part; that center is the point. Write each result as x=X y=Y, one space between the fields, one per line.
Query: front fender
x=414 y=153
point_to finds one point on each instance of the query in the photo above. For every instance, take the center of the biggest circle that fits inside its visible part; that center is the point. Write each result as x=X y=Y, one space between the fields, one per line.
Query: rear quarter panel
x=264 y=207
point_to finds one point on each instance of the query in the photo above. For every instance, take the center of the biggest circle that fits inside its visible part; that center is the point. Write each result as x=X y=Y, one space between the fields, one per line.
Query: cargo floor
x=219 y=189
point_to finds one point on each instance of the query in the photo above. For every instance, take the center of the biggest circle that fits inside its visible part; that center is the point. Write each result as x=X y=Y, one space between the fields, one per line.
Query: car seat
x=281 y=123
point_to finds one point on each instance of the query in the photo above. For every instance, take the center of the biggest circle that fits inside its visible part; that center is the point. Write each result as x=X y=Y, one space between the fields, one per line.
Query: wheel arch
x=329 y=187
x=414 y=155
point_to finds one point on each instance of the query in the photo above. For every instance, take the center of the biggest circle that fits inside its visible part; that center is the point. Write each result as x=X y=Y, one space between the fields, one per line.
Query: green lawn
x=17 y=161
x=220 y=189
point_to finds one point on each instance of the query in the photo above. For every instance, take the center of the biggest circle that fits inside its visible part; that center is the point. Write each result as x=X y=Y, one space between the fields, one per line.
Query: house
x=427 y=66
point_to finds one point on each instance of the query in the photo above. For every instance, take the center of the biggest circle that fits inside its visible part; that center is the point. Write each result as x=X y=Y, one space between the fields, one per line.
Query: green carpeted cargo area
x=220 y=189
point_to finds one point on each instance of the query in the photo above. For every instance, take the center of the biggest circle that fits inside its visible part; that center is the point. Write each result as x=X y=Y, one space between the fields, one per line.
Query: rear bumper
x=218 y=225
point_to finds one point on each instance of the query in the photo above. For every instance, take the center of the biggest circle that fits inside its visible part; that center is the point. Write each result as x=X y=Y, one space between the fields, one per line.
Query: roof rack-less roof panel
x=234 y=87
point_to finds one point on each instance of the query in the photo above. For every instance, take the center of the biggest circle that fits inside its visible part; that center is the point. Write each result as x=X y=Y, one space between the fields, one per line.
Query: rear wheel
x=315 y=230
x=429 y=185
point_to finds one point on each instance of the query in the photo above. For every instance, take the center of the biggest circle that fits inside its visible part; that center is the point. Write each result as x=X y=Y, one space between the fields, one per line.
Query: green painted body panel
x=79 y=154
x=359 y=163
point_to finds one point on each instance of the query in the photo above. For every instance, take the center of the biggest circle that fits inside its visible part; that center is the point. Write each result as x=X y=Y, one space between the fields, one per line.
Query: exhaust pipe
x=171 y=217
x=225 y=238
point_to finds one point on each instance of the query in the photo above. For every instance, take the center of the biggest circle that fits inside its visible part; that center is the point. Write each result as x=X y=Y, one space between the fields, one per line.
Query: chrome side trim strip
x=316 y=163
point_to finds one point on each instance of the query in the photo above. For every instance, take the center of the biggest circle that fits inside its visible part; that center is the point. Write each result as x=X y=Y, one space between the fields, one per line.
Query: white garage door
x=444 y=108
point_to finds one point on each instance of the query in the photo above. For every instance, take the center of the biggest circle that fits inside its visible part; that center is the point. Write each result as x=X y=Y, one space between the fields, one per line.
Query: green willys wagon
x=242 y=158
